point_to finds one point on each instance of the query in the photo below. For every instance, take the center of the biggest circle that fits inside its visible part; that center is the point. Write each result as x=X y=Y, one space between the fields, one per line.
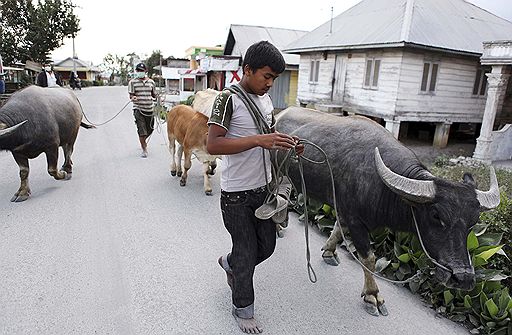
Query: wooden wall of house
x=452 y=100
x=292 y=93
x=380 y=101
x=320 y=92
x=505 y=114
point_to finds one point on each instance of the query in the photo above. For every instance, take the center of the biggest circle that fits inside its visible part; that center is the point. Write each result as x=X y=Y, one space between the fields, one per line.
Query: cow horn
x=419 y=191
x=490 y=199
x=9 y=130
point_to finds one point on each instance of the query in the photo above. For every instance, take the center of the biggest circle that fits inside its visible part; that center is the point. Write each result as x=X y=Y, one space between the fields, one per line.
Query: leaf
x=491 y=308
x=448 y=297
x=489 y=253
x=472 y=241
x=490 y=239
x=326 y=209
x=381 y=264
x=467 y=302
x=404 y=258
x=480 y=228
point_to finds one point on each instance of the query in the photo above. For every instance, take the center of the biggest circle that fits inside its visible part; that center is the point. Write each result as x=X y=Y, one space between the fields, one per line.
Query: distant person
x=74 y=81
x=142 y=92
x=2 y=84
x=48 y=78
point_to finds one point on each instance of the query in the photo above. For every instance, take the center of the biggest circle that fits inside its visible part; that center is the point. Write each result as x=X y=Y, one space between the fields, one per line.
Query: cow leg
x=329 y=255
x=206 y=178
x=172 y=149
x=187 y=164
x=374 y=302
x=180 y=154
x=24 y=191
x=68 y=163
x=52 y=156
x=211 y=167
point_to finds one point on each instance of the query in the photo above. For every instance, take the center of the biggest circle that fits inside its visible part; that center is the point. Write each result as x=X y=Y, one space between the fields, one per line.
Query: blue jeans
x=254 y=240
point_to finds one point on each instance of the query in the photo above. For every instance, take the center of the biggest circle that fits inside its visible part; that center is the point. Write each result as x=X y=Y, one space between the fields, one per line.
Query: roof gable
x=447 y=24
x=241 y=37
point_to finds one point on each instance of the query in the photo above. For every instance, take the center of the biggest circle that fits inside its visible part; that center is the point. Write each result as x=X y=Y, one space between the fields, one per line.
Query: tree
x=119 y=66
x=31 y=32
x=152 y=61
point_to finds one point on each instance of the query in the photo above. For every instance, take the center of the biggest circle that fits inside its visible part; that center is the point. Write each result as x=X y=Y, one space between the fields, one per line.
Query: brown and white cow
x=190 y=129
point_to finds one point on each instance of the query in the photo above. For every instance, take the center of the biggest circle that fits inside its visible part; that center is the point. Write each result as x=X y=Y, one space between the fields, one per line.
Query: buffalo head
x=445 y=212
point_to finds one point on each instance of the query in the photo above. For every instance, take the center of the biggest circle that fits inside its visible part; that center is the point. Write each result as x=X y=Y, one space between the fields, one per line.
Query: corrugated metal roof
x=244 y=36
x=447 y=24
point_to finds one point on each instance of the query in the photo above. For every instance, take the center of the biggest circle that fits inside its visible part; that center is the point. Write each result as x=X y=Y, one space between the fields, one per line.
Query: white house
x=403 y=61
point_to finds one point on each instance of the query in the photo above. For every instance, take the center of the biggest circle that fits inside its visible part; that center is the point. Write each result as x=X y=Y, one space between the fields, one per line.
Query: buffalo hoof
x=19 y=198
x=280 y=233
x=371 y=308
x=183 y=182
x=179 y=173
x=173 y=173
x=383 y=309
x=67 y=175
x=331 y=258
x=208 y=192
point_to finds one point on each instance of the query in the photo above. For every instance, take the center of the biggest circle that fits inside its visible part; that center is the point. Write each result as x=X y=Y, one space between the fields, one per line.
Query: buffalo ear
x=468 y=179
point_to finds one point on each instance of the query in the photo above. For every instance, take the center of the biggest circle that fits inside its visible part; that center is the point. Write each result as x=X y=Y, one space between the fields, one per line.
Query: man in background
x=142 y=93
x=48 y=78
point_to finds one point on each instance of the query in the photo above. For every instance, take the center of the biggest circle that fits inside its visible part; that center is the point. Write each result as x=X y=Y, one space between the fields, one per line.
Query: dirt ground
x=428 y=153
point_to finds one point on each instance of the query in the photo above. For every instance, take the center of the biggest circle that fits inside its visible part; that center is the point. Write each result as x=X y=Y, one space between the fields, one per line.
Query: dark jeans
x=254 y=240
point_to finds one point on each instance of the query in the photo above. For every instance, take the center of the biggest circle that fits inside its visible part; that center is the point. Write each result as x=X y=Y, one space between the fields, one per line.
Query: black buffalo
x=36 y=120
x=380 y=187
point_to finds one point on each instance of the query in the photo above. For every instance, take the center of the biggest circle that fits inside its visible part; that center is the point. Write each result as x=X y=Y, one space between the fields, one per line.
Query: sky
x=121 y=27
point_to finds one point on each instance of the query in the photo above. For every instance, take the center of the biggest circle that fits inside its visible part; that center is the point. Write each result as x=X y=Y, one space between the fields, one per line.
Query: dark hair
x=264 y=53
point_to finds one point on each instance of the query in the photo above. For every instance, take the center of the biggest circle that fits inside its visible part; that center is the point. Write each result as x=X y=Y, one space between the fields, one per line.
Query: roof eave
x=380 y=45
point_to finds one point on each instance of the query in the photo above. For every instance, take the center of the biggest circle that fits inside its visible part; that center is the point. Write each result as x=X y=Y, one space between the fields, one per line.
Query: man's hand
x=277 y=141
x=299 y=148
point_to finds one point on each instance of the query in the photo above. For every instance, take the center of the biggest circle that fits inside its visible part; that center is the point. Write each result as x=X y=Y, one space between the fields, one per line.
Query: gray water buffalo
x=384 y=187
x=36 y=120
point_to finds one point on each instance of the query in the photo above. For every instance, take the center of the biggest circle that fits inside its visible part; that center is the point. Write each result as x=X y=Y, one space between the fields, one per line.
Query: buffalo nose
x=465 y=278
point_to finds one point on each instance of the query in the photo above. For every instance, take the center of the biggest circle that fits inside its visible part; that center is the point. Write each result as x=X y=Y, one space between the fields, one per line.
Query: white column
x=495 y=94
x=393 y=126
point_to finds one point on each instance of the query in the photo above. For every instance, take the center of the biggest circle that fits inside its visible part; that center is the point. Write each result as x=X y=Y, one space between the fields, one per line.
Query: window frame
x=314 y=71
x=430 y=87
x=369 y=77
x=481 y=77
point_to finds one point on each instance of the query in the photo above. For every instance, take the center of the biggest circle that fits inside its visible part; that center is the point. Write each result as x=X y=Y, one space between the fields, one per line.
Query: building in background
x=413 y=65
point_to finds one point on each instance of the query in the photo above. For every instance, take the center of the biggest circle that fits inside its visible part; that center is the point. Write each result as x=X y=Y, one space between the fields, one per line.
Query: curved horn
x=419 y=191
x=9 y=130
x=490 y=199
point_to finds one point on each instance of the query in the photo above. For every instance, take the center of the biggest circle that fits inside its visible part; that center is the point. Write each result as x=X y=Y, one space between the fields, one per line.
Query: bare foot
x=249 y=326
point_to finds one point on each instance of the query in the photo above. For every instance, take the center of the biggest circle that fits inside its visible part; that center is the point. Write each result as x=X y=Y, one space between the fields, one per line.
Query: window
x=188 y=84
x=371 y=77
x=480 y=84
x=429 y=78
x=314 y=69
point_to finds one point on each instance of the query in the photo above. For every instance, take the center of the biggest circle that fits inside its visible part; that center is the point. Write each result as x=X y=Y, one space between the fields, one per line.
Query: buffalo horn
x=9 y=130
x=490 y=199
x=419 y=191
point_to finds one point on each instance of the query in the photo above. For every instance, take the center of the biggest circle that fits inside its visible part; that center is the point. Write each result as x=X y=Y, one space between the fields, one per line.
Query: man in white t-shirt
x=245 y=174
x=48 y=78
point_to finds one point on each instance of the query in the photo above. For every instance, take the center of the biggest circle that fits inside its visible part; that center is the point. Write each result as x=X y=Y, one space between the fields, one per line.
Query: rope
x=100 y=124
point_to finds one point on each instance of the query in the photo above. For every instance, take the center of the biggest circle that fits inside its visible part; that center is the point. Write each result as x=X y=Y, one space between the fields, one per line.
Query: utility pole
x=332 y=10
x=74 y=54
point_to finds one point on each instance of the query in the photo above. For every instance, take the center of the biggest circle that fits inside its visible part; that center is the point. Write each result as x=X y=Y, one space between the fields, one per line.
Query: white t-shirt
x=245 y=170
x=52 y=80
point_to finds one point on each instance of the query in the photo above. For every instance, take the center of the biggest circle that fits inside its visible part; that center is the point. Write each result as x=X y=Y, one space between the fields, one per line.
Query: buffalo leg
x=329 y=255
x=206 y=177
x=68 y=163
x=52 y=156
x=24 y=191
x=374 y=302
x=187 y=164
